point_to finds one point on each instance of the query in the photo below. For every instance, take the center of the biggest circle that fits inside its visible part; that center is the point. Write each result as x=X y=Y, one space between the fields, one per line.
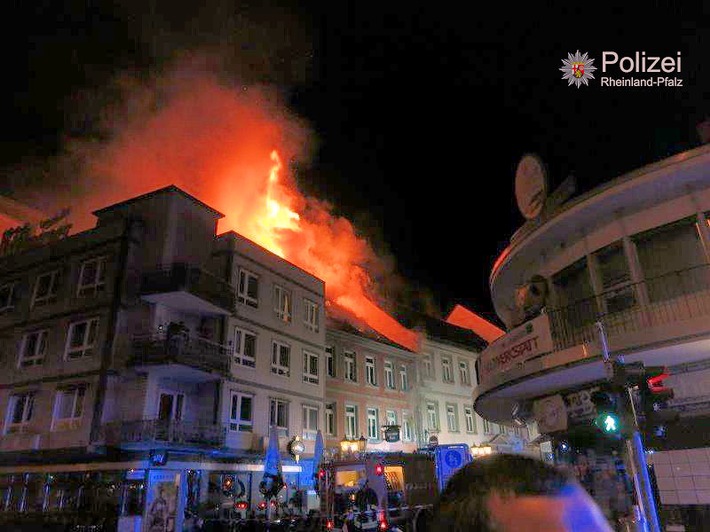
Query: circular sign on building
x=530 y=186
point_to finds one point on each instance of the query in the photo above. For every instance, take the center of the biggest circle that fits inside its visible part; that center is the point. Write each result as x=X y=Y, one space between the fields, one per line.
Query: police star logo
x=578 y=68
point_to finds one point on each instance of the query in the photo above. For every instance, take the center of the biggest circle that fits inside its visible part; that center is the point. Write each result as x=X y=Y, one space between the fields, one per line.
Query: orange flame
x=332 y=253
x=218 y=143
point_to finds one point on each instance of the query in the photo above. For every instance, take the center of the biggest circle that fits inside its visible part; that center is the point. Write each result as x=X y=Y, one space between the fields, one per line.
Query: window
x=574 y=294
x=470 y=419
x=372 y=425
x=19 y=412
x=7 y=297
x=615 y=277
x=452 y=417
x=391 y=417
x=351 y=428
x=389 y=375
x=280 y=358
x=310 y=422
x=487 y=428
x=403 y=378
x=248 y=291
x=669 y=257
x=310 y=367
x=446 y=370
x=278 y=416
x=330 y=360
x=68 y=408
x=350 y=367
x=370 y=371
x=241 y=418
x=330 y=419
x=428 y=367
x=432 y=412
x=311 y=317
x=45 y=291
x=81 y=339
x=92 y=277
x=33 y=349
x=244 y=347
x=282 y=303
x=407 y=434
x=463 y=372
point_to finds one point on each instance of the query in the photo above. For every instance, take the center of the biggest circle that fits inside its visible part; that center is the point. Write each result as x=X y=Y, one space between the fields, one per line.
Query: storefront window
x=133 y=497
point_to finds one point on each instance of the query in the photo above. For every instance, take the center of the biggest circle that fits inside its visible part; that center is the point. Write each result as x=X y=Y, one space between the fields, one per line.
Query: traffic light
x=607 y=418
x=654 y=396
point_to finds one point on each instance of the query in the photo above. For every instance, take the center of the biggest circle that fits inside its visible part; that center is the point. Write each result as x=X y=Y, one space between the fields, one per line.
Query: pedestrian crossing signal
x=607 y=417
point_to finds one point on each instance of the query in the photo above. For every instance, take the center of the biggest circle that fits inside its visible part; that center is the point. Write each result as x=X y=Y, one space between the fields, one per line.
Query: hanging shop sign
x=391 y=433
x=529 y=340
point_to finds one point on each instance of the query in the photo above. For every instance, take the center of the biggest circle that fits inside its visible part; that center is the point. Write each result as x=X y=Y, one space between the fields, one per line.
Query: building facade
x=145 y=360
x=370 y=386
x=626 y=262
x=443 y=396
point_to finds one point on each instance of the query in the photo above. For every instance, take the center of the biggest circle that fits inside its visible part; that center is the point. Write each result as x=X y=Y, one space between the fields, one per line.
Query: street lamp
x=361 y=444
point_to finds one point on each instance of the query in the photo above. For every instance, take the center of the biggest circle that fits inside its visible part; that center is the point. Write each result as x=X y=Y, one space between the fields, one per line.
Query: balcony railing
x=670 y=298
x=193 y=351
x=179 y=277
x=165 y=432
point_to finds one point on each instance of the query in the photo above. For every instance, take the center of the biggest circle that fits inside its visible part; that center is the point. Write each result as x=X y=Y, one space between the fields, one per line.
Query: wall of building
x=342 y=392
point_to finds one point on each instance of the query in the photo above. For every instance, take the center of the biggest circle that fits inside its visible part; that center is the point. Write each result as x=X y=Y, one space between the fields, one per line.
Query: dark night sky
x=422 y=109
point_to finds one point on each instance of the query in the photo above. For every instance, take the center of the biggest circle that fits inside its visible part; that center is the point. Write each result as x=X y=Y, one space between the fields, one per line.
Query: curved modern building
x=634 y=256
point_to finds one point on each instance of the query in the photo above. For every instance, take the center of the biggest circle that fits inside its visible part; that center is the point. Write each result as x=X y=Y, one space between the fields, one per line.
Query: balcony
x=165 y=433
x=188 y=288
x=193 y=352
x=659 y=321
x=658 y=306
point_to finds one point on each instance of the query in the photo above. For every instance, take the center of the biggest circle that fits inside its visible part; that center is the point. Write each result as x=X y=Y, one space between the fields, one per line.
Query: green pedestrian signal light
x=607 y=418
x=608 y=422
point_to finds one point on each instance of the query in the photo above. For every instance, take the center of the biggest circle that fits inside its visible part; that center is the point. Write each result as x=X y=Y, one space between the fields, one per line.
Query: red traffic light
x=655 y=382
x=379 y=470
x=241 y=505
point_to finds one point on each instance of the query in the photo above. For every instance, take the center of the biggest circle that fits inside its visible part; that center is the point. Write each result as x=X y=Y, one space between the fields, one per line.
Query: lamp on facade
x=361 y=444
x=353 y=446
x=481 y=450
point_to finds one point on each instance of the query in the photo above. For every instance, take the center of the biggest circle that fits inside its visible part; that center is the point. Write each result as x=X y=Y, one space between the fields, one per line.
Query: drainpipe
x=111 y=331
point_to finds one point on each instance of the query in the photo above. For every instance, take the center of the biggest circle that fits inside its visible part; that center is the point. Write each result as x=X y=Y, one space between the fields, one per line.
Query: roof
x=438 y=329
x=463 y=317
x=164 y=190
x=364 y=331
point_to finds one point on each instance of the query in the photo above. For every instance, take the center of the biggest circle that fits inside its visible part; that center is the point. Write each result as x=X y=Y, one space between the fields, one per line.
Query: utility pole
x=636 y=455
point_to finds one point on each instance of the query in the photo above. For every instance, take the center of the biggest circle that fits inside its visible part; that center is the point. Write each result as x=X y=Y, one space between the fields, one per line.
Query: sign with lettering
x=25 y=236
x=392 y=433
x=580 y=407
x=529 y=340
x=158 y=458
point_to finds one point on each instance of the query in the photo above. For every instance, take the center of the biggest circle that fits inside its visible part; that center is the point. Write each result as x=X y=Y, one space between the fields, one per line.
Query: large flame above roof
x=232 y=147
